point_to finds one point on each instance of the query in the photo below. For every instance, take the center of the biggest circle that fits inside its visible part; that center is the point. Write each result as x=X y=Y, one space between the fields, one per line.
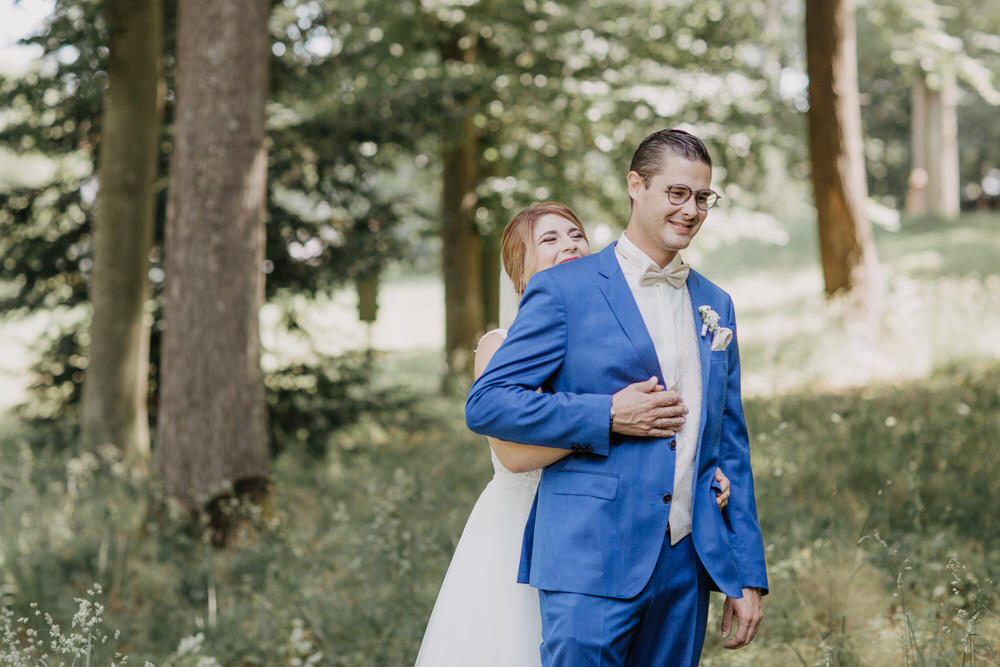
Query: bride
x=482 y=617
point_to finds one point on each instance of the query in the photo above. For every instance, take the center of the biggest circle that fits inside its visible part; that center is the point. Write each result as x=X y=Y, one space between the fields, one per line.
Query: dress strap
x=502 y=331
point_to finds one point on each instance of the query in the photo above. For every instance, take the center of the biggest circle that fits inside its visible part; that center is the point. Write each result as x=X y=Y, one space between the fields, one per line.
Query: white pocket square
x=721 y=338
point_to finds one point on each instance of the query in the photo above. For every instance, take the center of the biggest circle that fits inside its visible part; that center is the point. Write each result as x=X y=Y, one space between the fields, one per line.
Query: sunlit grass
x=876 y=515
x=875 y=507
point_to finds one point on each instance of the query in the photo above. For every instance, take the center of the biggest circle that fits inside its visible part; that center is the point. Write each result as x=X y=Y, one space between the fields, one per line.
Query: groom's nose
x=690 y=208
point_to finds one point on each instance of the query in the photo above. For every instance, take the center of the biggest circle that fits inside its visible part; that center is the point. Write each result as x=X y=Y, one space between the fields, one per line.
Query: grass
x=876 y=511
x=874 y=461
x=875 y=508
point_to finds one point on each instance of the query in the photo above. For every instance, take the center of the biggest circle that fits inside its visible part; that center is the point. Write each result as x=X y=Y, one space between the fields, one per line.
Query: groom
x=625 y=539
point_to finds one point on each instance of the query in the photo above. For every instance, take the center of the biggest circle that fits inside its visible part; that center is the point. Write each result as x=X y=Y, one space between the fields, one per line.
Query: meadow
x=874 y=457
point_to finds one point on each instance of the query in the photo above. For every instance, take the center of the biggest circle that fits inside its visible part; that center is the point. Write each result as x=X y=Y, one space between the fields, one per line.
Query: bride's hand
x=722 y=498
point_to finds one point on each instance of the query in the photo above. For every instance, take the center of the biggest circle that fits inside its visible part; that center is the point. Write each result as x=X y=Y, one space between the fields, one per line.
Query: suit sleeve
x=503 y=402
x=734 y=453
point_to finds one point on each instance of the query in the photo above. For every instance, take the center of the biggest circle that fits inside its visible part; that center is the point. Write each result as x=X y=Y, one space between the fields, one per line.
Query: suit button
x=673 y=444
x=667 y=498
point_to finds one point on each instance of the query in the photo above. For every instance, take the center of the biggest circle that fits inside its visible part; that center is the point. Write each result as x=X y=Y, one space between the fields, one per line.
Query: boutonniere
x=710 y=323
x=709 y=320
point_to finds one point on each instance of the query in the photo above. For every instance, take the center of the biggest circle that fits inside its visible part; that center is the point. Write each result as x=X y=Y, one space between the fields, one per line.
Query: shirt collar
x=637 y=260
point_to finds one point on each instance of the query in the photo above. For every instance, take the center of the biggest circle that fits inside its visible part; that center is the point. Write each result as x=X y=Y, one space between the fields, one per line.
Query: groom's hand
x=749 y=611
x=644 y=409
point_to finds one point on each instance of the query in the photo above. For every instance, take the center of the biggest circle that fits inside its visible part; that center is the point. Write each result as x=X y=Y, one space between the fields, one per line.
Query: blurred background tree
x=213 y=423
x=115 y=389
x=847 y=249
x=910 y=55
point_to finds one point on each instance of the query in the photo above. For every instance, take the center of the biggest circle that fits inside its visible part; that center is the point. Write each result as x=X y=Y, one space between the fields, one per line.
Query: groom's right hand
x=645 y=409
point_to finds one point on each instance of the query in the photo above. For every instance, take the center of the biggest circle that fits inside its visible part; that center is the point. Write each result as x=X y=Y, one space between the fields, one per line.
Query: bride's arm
x=515 y=457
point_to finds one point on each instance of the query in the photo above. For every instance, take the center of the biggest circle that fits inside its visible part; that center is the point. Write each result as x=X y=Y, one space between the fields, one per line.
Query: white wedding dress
x=482 y=616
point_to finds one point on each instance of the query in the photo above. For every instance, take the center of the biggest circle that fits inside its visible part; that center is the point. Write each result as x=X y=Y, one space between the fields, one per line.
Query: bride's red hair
x=517 y=244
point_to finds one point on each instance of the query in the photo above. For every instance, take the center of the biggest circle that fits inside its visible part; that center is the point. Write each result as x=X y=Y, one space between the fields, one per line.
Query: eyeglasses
x=679 y=193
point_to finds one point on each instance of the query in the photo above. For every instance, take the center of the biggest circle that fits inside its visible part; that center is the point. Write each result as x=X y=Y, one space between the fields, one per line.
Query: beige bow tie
x=674 y=276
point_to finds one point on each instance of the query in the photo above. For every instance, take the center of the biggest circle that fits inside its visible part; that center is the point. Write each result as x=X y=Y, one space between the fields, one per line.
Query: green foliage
x=308 y=402
x=559 y=92
x=58 y=374
x=328 y=222
x=46 y=259
x=308 y=398
x=54 y=112
x=365 y=95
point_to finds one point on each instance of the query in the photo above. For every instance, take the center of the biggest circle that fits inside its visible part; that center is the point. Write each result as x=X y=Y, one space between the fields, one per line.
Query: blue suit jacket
x=599 y=517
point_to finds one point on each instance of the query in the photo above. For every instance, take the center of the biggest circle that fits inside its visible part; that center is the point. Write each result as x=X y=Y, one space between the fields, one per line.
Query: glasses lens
x=678 y=194
x=706 y=199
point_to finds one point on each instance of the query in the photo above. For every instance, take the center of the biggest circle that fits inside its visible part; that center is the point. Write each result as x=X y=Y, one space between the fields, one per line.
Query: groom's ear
x=636 y=183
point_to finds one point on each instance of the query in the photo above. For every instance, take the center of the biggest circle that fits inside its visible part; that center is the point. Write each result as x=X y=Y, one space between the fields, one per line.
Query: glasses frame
x=690 y=192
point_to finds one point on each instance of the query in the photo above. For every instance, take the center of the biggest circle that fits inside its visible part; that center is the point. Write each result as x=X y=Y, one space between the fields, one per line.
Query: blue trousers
x=663 y=626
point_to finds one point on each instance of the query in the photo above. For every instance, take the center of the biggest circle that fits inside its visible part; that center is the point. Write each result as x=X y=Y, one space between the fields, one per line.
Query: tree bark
x=462 y=247
x=916 y=191
x=934 y=182
x=462 y=253
x=944 y=196
x=491 y=267
x=835 y=143
x=212 y=424
x=116 y=384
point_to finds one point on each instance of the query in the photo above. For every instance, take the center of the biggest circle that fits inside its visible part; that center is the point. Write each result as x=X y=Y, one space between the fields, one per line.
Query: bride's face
x=556 y=240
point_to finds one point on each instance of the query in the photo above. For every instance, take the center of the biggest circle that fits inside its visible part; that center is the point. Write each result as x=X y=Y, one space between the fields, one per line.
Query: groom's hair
x=648 y=157
x=517 y=245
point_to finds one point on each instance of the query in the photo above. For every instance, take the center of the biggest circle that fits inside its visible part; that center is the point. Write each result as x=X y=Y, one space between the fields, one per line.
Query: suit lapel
x=696 y=289
x=619 y=297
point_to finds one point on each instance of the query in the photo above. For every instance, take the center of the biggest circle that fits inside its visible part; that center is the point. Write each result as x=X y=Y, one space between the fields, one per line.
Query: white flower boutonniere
x=709 y=320
x=710 y=323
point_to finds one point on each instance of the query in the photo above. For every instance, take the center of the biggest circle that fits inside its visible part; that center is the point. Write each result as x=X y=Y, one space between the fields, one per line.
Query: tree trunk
x=835 y=143
x=212 y=425
x=935 y=147
x=115 y=388
x=462 y=247
x=491 y=280
x=916 y=190
x=462 y=253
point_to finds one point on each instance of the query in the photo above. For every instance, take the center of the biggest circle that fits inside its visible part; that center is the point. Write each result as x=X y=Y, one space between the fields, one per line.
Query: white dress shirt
x=669 y=319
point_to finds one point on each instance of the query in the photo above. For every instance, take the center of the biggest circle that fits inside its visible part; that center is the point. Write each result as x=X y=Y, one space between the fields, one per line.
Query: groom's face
x=658 y=227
